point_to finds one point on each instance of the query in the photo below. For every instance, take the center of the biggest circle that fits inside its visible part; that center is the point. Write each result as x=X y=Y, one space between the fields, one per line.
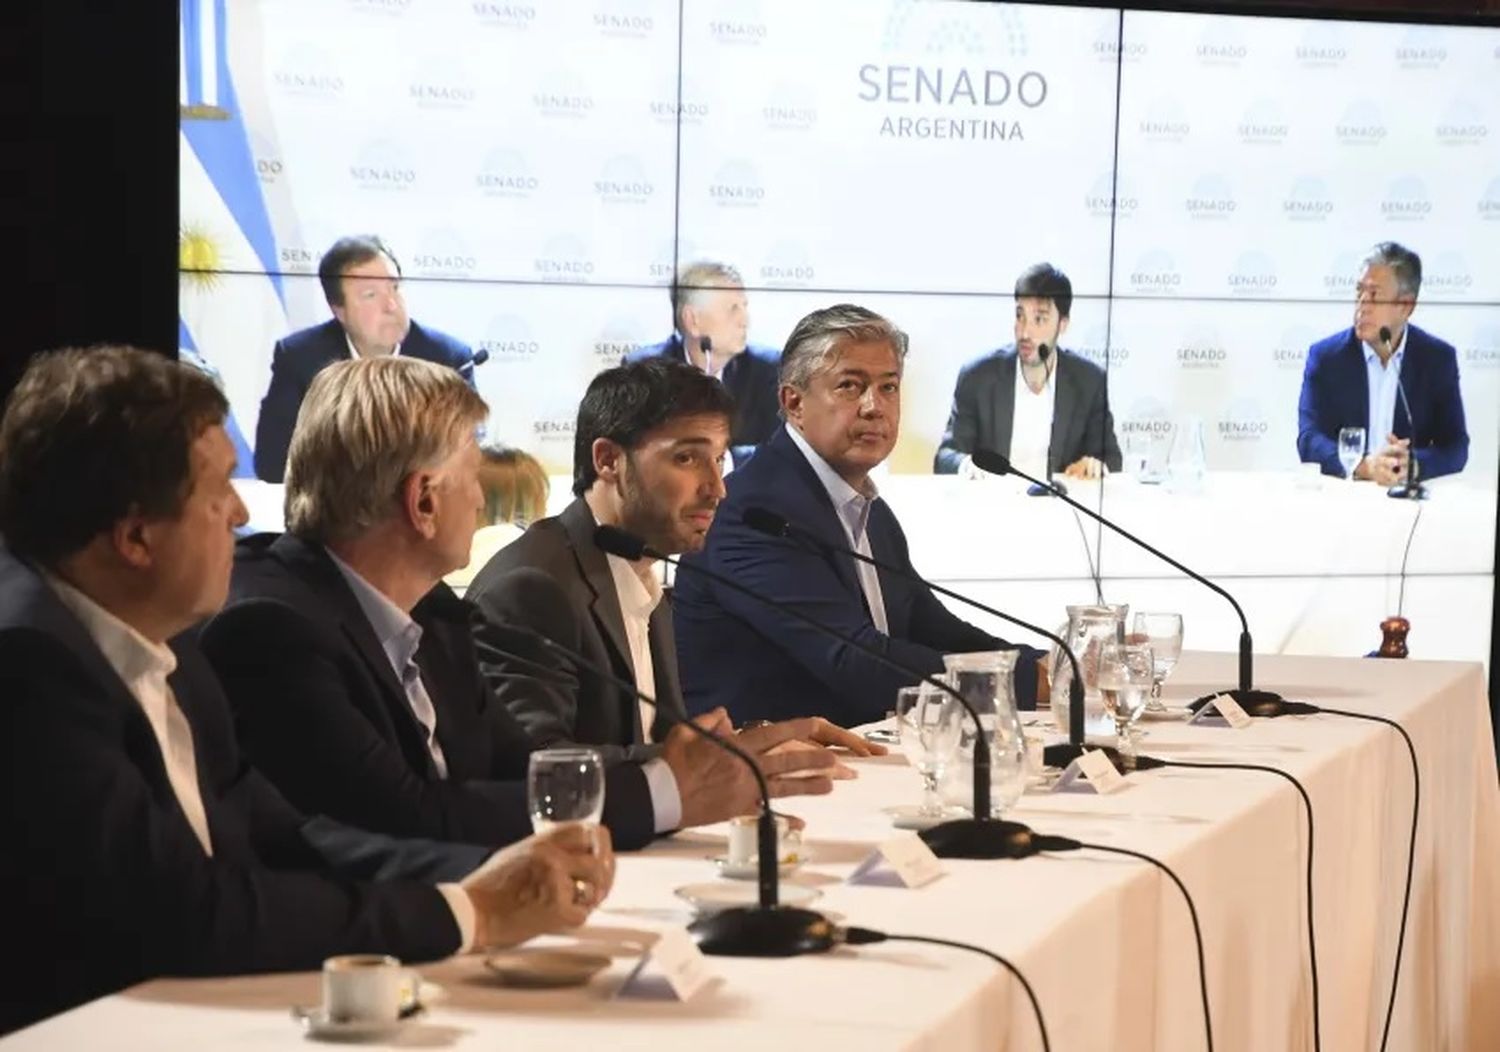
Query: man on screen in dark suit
x=1403 y=390
x=362 y=283
x=139 y=843
x=709 y=310
x=351 y=667
x=841 y=399
x=1048 y=413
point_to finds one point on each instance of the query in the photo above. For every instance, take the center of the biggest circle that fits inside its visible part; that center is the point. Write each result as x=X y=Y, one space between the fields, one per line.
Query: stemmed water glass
x=1351 y=449
x=565 y=785
x=930 y=724
x=1164 y=634
x=1125 y=674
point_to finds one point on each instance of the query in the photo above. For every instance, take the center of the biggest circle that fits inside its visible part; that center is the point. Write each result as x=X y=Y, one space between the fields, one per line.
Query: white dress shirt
x=1031 y=424
x=853 y=509
x=354 y=351
x=1384 y=378
x=143 y=666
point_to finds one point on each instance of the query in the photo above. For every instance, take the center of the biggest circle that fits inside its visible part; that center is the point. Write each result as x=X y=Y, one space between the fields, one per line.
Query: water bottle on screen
x=565 y=785
x=1187 y=461
x=1351 y=449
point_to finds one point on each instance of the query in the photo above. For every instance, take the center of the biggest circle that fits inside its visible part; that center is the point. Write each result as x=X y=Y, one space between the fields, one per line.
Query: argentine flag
x=231 y=304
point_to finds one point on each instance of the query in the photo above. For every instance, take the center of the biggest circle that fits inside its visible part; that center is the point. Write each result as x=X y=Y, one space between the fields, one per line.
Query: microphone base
x=984 y=838
x=763 y=931
x=1060 y=756
x=1262 y=704
x=1036 y=489
x=1408 y=491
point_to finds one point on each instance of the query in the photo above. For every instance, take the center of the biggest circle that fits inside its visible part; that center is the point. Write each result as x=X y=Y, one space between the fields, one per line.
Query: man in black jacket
x=139 y=841
x=350 y=666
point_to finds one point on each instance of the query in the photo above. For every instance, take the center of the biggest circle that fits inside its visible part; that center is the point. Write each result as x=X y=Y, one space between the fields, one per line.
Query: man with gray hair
x=711 y=325
x=841 y=399
x=352 y=669
x=1387 y=376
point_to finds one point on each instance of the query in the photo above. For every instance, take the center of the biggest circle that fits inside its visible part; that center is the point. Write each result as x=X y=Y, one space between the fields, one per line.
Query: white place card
x=1091 y=771
x=676 y=959
x=906 y=856
x=1224 y=706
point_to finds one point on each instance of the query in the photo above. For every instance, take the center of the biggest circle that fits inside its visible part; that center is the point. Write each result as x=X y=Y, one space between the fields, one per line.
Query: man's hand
x=716 y=785
x=1387 y=467
x=1086 y=468
x=541 y=884
x=831 y=734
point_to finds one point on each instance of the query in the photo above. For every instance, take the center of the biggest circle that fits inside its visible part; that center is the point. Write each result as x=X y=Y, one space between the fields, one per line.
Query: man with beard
x=647 y=457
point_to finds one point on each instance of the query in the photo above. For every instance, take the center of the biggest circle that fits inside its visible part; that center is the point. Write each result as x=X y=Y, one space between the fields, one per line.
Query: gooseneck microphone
x=1262 y=703
x=706 y=345
x=1036 y=489
x=982 y=836
x=765 y=930
x=768 y=522
x=1409 y=488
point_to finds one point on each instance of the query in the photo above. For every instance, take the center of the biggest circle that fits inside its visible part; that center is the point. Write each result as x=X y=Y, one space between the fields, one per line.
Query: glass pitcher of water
x=1088 y=629
x=986 y=682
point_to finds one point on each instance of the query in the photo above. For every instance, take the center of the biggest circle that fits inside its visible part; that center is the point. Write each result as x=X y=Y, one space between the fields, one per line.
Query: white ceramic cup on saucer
x=744 y=840
x=364 y=988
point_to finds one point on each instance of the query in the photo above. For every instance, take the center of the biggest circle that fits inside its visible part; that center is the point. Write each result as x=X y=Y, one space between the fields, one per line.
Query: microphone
x=1261 y=703
x=979 y=837
x=766 y=930
x=1036 y=489
x=465 y=368
x=1409 y=488
x=768 y=522
x=706 y=343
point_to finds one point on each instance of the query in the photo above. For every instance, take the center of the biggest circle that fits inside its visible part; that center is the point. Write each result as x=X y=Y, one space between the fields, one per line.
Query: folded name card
x=1091 y=772
x=1224 y=707
x=904 y=859
x=674 y=959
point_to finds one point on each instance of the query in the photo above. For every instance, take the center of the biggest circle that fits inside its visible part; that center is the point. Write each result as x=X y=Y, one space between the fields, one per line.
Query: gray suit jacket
x=554 y=580
x=983 y=401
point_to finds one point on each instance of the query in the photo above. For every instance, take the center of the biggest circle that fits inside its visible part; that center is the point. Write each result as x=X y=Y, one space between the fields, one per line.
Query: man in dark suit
x=139 y=841
x=1386 y=375
x=841 y=397
x=362 y=283
x=351 y=667
x=711 y=326
x=1047 y=410
x=647 y=446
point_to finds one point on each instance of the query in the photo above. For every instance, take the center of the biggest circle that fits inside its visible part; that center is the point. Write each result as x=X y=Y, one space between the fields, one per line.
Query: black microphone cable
x=1088 y=554
x=865 y=936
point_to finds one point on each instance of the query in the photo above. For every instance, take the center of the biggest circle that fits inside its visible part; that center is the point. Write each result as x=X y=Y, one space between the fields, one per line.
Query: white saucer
x=712 y=897
x=751 y=870
x=319 y=1027
x=909 y=816
x=545 y=969
x=1171 y=712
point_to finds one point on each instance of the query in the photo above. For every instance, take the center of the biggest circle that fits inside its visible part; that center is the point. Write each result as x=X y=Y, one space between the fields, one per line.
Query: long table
x=1105 y=941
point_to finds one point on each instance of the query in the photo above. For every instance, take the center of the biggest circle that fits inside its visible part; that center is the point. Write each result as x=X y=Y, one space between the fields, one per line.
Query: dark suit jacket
x=520 y=585
x=1336 y=394
x=321 y=711
x=751 y=378
x=102 y=881
x=302 y=355
x=761 y=663
x=984 y=403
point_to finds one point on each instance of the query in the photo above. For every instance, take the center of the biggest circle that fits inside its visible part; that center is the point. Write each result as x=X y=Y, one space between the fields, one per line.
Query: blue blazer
x=752 y=378
x=760 y=663
x=302 y=355
x=1336 y=393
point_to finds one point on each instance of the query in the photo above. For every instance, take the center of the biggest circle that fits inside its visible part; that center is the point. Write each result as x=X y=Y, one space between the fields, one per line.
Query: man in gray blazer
x=1044 y=407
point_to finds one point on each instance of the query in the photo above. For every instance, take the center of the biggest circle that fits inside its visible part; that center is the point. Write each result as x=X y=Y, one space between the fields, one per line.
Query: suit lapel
x=1063 y=417
x=593 y=566
x=825 y=521
x=1359 y=388
x=1004 y=407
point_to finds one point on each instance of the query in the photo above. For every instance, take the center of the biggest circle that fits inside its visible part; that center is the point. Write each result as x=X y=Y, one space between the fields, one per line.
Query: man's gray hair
x=1404 y=263
x=817 y=339
x=697 y=278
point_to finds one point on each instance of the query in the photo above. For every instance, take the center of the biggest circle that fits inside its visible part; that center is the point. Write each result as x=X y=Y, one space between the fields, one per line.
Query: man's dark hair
x=350 y=252
x=624 y=403
x=1043 y=281
x=90 y=436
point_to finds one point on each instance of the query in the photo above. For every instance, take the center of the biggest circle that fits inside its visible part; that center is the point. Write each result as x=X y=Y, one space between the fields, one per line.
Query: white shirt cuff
x=666 y=800
x=463 y=915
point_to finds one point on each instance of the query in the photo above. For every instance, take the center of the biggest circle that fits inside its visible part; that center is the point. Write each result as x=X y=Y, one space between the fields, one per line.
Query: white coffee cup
x=364 y=988
x=744 y=839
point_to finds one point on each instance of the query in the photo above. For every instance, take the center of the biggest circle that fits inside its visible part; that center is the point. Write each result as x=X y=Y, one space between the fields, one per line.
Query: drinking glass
x=1351 y=449
x=1125 y=673
x=1163 y=632
x=1187 y=462
x=930 y=724
x=565 y=785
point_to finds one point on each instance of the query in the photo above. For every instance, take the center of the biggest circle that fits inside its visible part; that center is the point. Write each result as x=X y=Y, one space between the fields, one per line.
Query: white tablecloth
x=1105 y=941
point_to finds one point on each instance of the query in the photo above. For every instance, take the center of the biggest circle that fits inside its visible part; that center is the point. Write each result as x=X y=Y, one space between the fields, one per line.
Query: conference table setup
x=1105 y=941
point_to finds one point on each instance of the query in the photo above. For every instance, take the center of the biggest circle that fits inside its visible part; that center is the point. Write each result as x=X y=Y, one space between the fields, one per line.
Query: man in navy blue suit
x=362 y=282
x=841 y=399
x=711 y=325
x=1386 y=375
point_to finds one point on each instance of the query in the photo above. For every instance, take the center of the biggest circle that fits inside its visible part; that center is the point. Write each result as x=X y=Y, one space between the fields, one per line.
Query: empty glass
x=565 y=785
x=1187 y=461
x=1125 y=674
x=1351 y=449
x=1163 y=632
x=930 y=724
